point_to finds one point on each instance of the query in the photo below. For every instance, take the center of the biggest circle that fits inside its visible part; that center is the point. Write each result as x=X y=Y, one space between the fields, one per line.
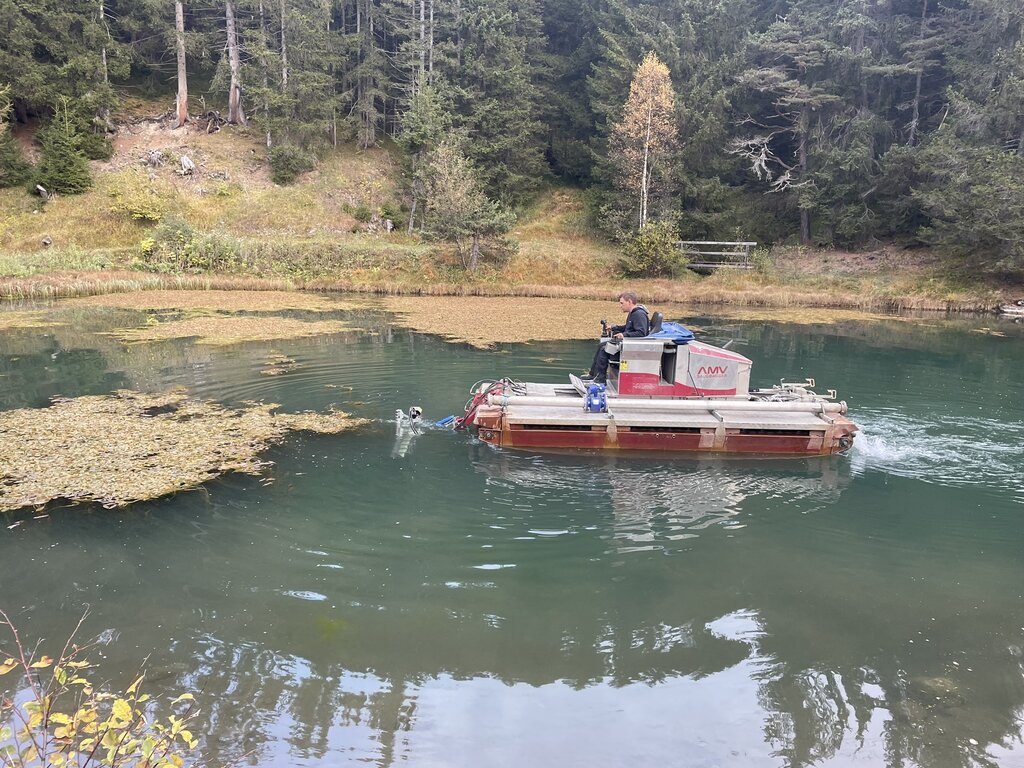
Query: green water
x=460 y=605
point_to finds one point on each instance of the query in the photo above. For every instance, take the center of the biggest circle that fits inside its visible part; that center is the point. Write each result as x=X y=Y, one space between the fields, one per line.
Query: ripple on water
x=315 y=597
x=952 y=451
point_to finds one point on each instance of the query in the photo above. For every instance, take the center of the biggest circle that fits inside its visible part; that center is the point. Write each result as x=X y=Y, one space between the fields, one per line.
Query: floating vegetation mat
x=12 y=320
x=483 y=321
x=278 y=365
x=231 y=330
x=223 y=301
x=794 y=315
x=164 y=444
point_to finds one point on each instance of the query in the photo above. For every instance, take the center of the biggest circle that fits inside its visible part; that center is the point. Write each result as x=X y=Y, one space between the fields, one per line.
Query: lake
x=439 y=602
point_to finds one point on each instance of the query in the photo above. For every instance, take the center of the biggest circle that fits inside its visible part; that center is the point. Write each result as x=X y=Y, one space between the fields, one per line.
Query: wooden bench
x=709 y=255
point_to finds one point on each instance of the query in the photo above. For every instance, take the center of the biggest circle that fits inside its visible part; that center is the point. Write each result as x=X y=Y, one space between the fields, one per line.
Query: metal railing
x=709 y=255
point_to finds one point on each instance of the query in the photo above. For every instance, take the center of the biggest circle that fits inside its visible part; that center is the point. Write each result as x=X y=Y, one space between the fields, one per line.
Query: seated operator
x=637 y=325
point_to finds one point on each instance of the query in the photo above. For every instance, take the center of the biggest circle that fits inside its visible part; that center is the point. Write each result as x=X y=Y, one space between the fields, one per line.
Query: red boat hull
x=834 y=437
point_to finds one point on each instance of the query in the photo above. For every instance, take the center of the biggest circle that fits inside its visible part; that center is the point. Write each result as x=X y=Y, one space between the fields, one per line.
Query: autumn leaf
x=122 y=710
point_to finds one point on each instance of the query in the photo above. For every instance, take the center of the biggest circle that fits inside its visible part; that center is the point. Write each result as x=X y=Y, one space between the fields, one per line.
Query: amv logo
x=713 y=370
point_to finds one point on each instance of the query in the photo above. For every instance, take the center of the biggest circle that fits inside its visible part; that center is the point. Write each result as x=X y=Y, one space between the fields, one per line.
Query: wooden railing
x=709 y=255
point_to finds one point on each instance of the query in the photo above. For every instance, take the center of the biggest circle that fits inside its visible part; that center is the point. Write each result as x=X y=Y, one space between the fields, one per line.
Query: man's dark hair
x=630 y=297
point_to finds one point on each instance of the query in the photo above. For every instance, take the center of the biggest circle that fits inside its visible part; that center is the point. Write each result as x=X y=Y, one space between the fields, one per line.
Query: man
x=637 y=325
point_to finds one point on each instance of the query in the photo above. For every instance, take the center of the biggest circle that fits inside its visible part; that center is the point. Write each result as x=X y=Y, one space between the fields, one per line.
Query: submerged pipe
x=689 y=405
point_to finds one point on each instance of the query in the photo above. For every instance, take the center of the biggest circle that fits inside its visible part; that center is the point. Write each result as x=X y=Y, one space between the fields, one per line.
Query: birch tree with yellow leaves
x=647 y=133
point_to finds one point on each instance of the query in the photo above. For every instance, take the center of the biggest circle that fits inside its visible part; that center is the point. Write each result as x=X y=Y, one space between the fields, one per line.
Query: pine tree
x=791 y=69
x=459 y=209
x=424 y=126
x=647 y=133
x=62 y=167
x=51 y=49
x=497 y=94
x=974 y=195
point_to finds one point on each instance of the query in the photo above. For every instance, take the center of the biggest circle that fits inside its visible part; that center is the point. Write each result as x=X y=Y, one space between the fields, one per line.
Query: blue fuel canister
x=596 y=401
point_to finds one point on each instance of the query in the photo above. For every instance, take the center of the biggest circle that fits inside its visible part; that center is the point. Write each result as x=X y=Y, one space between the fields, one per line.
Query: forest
x=830 y=124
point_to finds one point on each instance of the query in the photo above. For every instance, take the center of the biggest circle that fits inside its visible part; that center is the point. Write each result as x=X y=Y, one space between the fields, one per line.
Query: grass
x=232 y=193
x=69 y=259
x=306 y=236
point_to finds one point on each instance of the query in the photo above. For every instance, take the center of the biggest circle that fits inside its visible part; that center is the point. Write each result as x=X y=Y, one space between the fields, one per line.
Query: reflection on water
x=448 y=603
x=654 y=500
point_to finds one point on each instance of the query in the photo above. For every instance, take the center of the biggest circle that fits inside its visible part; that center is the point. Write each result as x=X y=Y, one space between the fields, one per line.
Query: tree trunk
x=430 y=45
x=858 y=46
x=423 y=41
x=474 y=252
x=235 y=112
x=103 y=56
x=916 y=115
x=181 y=104
x=359 y=106
x=104 y=113
x=805 y=214
x=458 y=31
x=412 y=215
x=284 y=50
x=645 y=177
x=367 y=119
x=266 y=75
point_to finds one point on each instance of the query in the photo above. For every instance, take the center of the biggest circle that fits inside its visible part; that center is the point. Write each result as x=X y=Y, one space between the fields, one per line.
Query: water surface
x=439 y=602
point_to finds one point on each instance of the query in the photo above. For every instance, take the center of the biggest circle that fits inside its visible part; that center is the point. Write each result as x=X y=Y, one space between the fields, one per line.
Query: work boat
x=669 y=392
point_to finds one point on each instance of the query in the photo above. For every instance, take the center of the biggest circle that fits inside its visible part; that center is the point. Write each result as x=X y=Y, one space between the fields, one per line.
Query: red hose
x=478 y=399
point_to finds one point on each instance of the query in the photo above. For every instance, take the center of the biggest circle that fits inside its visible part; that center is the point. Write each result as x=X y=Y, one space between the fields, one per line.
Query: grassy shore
x=316 y=235
x=51 y=275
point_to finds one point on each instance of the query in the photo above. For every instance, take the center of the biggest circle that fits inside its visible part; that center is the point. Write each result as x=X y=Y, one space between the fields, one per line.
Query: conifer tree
x=62 y=167
x=647 y=133
x=459 y=210
x=424 y=126
x=791 y=69
x=497 y=102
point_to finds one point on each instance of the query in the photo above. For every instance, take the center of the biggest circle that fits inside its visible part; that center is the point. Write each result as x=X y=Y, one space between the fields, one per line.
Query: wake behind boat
x=668 y=392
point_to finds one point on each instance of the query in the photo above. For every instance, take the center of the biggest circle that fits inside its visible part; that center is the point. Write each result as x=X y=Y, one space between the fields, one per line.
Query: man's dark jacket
x=637 y=323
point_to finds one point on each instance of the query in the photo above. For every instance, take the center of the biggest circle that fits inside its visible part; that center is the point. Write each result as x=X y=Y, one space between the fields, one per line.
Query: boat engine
x=596 y=400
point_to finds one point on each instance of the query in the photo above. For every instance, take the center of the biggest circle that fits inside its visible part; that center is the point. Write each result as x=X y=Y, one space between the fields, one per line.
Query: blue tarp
x=676 y=332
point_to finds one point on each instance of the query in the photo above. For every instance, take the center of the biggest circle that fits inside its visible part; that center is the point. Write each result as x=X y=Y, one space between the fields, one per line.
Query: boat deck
x=625 y=413
x=623 y=416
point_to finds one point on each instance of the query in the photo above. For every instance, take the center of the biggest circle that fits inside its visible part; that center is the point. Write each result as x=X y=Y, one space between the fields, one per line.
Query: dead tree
x=181 y=105
x=235 y=112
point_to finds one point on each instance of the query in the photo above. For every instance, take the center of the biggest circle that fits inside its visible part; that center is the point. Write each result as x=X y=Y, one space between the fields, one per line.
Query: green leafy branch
x=66 y=721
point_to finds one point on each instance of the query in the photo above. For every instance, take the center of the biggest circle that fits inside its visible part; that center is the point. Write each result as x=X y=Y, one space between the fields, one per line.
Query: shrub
x=762 y=261
x=175 y=246
x=66 y=720
x=288 y=161
x=362 y=213
x=138 y=204
x=393 y=211
x=651 y=252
